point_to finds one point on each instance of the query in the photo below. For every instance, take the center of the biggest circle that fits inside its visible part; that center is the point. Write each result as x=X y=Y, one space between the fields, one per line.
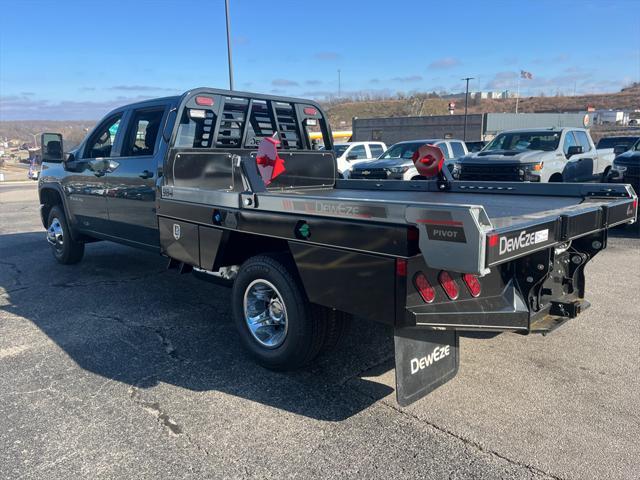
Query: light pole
x=226 y=12
x=466 y=98
x=339 y=84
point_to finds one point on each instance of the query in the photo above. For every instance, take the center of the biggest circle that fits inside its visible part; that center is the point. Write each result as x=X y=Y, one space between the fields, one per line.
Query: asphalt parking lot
x=118 y=368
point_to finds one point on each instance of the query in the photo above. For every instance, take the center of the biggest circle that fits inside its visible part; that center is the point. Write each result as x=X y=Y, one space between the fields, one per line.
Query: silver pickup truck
x=537 y=155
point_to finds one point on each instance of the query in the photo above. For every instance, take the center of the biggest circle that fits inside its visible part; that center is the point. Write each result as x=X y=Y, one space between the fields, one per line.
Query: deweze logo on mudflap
x=421 y=363
x=512 y=244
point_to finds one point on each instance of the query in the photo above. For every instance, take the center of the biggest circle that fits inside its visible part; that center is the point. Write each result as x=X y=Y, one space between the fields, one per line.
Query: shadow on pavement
x=121 y=315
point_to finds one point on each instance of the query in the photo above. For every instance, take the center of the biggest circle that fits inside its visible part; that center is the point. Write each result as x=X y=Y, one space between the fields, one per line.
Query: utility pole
x=518 y=93
x=339 y=84
x=466 y=99
x=226 y=11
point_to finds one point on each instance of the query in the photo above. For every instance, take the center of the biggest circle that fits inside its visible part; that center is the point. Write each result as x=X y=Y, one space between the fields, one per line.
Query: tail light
x=449 y=285
x=401 y=267
x=473 y=284
x=425 y=289
x=205 y=101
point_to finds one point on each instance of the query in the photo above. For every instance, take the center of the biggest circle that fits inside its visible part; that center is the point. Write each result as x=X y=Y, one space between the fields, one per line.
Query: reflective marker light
x=448 y=284
x=425 y=289
x=401 y=267
x=310 y=111
x=473 y=284
x=193 y=113
x=206 y=101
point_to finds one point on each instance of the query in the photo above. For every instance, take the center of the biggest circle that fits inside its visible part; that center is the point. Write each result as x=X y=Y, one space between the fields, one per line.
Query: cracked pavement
x=116 y=368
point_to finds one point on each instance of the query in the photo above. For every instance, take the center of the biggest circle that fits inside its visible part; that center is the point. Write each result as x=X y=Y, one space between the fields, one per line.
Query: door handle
x=146 y=174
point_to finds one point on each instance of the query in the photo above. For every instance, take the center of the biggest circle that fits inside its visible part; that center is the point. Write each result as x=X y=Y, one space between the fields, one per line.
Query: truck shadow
x=119 y=314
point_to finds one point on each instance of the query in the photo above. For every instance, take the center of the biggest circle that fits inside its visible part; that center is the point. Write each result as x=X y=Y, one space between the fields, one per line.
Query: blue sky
x=77 y=59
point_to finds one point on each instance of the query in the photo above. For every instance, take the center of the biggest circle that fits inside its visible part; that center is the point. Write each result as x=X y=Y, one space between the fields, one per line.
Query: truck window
x=583 y=140
x=143 y=132
x=376 y=150
x=102 y=141
x=260 y=124
x=569 y=141
x=458 y=149
x=357 y=153
x=195 y=128
x=445 y=150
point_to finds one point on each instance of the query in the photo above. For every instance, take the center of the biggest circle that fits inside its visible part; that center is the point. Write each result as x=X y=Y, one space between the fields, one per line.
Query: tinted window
x=583 y=140
x=376 y=150
x=196 y=128
x=402 y=150
x=103 y=139
x=612 y=142
x=143 y=132
x=357 y=153
x=569 y=141
x=445 y=150
x=260 y=124
x=458 y=149
x=545 y=141
x=340 y=149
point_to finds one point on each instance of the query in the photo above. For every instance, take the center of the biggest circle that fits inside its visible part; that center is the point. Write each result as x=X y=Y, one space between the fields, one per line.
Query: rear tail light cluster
x=448 y=284
x=425 y=289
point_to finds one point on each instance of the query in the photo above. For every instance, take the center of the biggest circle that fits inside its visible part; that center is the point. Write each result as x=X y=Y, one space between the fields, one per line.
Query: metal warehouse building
x=479 y=126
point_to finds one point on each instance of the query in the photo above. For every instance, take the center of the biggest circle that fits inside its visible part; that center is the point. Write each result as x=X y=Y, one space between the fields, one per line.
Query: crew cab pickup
x=540 y=155
x=229 y=182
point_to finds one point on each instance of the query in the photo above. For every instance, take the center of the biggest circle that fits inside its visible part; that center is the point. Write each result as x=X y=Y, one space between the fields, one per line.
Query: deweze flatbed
x=230 y=182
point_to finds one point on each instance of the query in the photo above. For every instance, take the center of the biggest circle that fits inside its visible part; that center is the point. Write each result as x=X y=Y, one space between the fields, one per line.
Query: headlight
x=398 y=169
x=618 y=168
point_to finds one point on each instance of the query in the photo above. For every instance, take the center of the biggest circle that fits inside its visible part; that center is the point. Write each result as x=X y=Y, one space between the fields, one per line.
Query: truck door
x=132 y=185
x=577 y=164
x=85 y=183
x=589 y=162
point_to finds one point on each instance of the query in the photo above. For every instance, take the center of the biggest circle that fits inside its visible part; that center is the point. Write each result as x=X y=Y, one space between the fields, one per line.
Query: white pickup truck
x=537 y=155
x=349 y=154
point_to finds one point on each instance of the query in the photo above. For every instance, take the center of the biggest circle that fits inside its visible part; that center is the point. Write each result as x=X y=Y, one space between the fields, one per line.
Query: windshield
x=544 y=141
x=612 y=142
x=402 y=150
x=340 y=149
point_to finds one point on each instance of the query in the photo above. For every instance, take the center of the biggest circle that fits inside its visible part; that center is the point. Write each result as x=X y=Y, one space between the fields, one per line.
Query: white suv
x=351 y=153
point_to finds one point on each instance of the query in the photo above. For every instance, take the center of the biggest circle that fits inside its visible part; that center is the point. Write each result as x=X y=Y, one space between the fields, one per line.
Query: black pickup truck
x=229 y=182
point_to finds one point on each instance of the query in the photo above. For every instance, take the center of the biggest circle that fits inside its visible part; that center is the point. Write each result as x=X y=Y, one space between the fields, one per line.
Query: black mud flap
x=425 y=359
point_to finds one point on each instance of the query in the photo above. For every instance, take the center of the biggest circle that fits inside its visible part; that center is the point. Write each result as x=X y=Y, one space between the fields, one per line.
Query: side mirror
x=51 y=145
x=618 y=149
x=353 y=156
x=574 y=150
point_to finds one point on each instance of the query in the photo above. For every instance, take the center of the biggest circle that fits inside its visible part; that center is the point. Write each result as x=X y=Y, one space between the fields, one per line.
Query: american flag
x=525 y=74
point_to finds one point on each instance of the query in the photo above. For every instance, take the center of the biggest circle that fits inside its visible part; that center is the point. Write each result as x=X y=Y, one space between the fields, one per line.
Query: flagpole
x=518 y=92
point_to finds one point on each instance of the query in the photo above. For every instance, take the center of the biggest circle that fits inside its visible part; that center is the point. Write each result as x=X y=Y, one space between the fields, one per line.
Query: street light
x=466 y=97
x=226 y=12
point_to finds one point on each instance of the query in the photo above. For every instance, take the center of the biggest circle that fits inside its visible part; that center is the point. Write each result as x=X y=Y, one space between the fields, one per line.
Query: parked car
x=626 y=167
x=351 y=153
x=397 y=164
x=613 y=142
x=34 y=169
x=540 y=155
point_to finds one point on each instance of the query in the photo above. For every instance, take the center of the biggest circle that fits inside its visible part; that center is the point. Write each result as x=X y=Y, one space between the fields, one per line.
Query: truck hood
x=506 y=156
x=384 y=163
x=628 y=158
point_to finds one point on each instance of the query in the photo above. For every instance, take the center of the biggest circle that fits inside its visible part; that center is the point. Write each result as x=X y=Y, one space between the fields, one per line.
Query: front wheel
x=275 y=321
x=65 y=249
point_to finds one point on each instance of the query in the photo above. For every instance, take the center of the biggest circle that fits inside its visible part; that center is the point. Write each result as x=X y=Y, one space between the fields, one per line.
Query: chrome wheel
x=55 y=235
x=265 y=313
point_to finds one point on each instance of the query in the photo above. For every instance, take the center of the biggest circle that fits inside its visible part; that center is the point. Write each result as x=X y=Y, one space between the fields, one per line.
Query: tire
x=555 y=178
x=605 y=174
x=337 y=323
x=64 y=248
x=278 y=346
